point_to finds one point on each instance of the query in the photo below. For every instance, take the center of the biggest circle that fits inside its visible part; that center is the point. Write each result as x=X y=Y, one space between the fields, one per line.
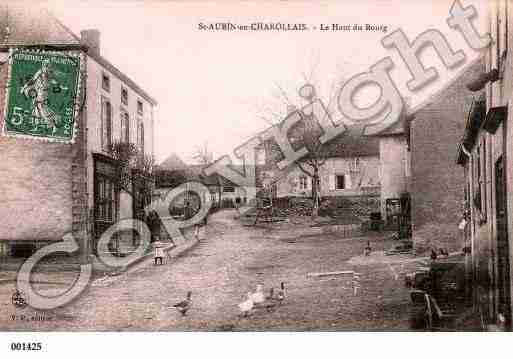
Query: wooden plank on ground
x=324 y=274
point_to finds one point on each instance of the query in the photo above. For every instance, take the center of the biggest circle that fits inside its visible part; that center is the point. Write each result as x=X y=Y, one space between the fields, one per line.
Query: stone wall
x=36 y=186
x=437 y=183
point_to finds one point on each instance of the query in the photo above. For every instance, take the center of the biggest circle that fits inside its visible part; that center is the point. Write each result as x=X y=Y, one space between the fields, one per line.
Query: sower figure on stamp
x=37 y=89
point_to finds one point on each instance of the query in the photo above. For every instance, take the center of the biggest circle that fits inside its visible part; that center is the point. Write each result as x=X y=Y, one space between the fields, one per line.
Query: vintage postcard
x=243 y=166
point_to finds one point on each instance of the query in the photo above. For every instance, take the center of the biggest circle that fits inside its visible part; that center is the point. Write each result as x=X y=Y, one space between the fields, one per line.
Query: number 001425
x=26 y=346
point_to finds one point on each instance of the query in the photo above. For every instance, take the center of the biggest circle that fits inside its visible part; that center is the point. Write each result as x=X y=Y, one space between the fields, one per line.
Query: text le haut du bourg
x=279 y=26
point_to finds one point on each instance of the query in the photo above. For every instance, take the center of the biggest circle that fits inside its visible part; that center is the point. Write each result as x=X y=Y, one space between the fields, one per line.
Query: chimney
x=91 y=39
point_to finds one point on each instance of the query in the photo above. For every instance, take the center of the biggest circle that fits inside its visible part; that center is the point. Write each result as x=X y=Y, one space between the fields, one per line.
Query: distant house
x=172 y=162
x=352 y=168
x=173 y=172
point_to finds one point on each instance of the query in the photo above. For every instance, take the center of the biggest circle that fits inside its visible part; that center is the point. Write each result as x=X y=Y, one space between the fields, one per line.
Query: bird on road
x=246 y=306
x=258 y=297
x=271 y=294
x=270 y=301
x=280 y=296
x=184 y=305
x=367 y=250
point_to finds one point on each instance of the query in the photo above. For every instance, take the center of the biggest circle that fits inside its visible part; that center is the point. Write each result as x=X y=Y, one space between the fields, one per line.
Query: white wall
x=94 y=97
x=288 y=185
x=393 y=159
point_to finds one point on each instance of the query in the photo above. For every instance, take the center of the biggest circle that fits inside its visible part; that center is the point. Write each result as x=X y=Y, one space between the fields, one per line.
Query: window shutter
x=347 y=180
x=332 y=180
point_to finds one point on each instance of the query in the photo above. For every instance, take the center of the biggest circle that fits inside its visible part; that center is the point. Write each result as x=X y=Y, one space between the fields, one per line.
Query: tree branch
x=304 y=170
x=283 y=93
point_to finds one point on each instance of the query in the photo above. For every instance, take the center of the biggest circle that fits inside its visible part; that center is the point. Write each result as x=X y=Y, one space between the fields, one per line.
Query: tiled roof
x=349 y=144
x=32 y=25
x=172 y=162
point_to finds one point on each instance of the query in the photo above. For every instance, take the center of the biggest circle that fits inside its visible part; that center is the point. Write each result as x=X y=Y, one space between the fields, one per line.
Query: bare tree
x=307 y=131
x=203 y=155
x=135 y=174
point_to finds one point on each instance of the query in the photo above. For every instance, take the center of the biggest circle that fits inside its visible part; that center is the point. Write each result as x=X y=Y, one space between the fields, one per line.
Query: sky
x=221 y=88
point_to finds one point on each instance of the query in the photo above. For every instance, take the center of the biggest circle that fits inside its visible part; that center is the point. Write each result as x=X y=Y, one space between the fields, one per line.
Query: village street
x=228 y=263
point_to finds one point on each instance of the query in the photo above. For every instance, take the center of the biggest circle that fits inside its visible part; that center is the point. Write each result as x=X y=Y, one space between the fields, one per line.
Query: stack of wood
x=299 y=209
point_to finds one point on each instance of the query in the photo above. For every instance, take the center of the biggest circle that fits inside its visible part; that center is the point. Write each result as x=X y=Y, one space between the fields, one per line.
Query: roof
x=176 y=177
x=32 y=25
x=466 y=71
x=173 y=162
x=124 y=78
x=349 y=144
x=35 y=26
x=352 y=144
x=402 y=125
x=173 y=178
x=213 y=179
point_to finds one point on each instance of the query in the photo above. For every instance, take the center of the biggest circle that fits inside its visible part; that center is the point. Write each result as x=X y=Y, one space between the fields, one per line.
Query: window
x=140 y=136
x=354 y=165
x=303 y=182
x=124 y=96
x=340 y=182
x=106 y=82
x=106 y=125
x=140 y=108
x=106 y=199
x=228 y=189
x=125 y=127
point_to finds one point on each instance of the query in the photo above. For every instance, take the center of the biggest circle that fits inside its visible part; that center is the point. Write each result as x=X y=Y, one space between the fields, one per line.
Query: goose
x=367 y=250
x=258 y=297
x=184 y=305
x=271 y=294
x=246 y=306
x=270 y=301
x=280 y=296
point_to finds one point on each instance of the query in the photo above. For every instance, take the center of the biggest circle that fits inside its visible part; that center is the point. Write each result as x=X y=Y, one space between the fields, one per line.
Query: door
x=106 y=199
x=503 y=279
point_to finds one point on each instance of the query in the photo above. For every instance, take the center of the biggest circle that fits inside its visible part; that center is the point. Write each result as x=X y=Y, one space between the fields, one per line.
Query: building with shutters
x=352 y=168
x=485 y=156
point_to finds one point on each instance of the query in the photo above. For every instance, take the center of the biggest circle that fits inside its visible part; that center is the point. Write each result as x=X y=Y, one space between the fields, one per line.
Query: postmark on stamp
x=43 y=90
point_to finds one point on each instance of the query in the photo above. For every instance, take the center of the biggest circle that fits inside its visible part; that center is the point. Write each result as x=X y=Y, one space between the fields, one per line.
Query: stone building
x=51 y=188
x=487 y=165
x=435 y=183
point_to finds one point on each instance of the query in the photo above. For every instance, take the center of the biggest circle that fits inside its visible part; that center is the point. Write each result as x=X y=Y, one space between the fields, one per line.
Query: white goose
x=246 y=306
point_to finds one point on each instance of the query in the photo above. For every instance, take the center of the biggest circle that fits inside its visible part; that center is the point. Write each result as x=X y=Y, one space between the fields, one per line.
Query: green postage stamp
x=43 y=89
